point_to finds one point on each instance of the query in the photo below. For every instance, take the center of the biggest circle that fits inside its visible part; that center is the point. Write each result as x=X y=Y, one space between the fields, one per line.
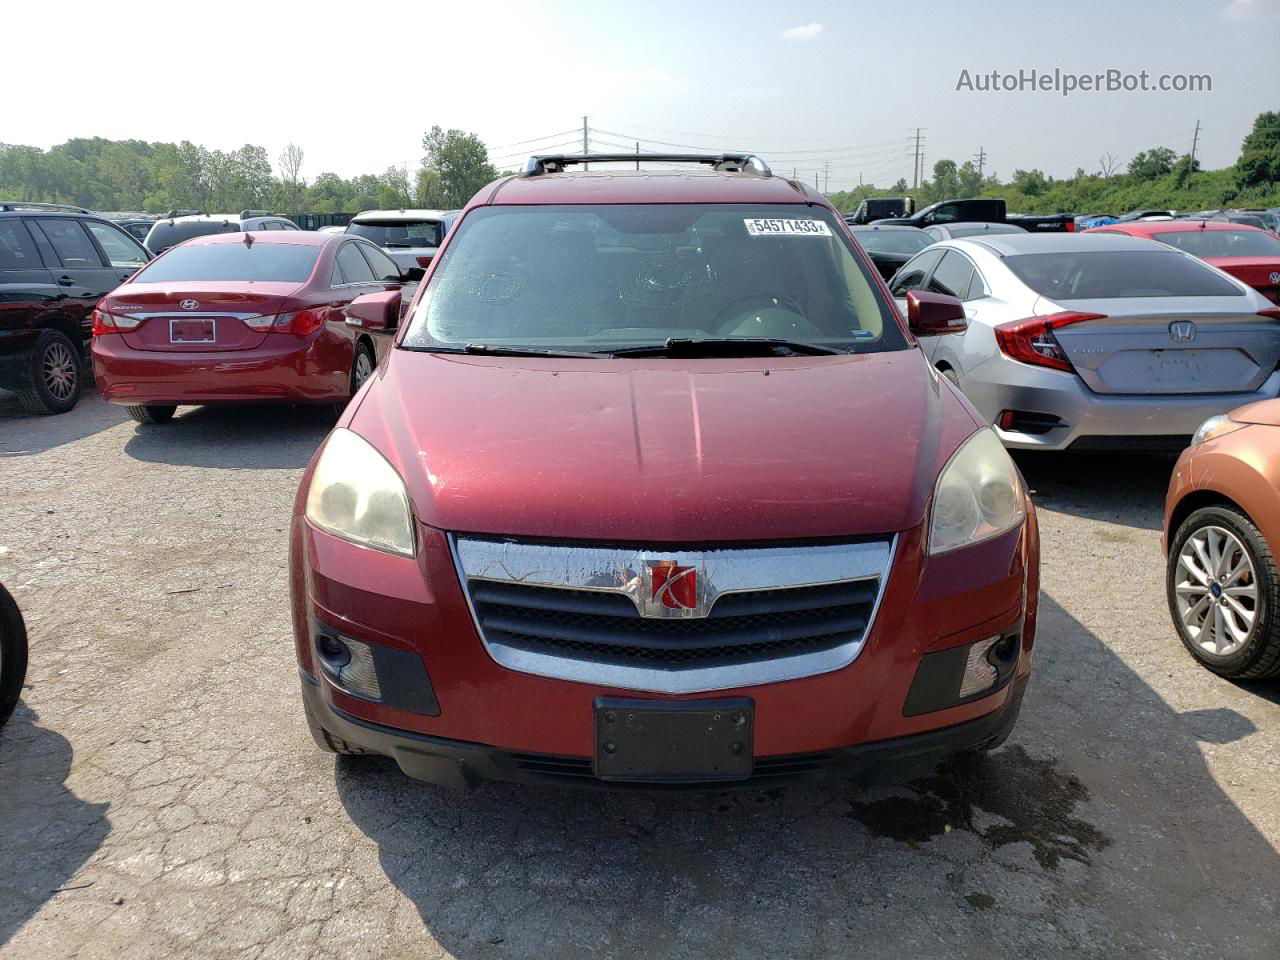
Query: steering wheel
x=782 y=310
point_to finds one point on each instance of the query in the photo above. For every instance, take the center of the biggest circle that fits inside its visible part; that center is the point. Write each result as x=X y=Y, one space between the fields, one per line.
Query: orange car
x=1221 y=535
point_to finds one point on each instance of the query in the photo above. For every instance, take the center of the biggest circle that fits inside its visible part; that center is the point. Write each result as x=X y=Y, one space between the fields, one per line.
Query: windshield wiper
x=728 y=347
x=496 y=350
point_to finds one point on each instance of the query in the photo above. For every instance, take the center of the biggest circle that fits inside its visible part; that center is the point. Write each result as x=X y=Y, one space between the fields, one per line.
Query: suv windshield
x=400 y=233
x=1222 y=243
x=893 y=241
x=600 y=277
x=1099 y=274
x=280 y=262
x=166 y=233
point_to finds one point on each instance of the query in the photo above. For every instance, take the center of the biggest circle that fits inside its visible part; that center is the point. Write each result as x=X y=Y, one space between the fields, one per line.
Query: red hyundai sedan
x=244 y=318
x=657 y=487
x=1250 y=255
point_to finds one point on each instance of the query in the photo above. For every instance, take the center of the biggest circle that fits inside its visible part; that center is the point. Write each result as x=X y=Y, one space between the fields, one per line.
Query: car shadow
x=1121 y=488
x=38 y=812
x=256 y=437
x=1098 y=830
x=25 y=434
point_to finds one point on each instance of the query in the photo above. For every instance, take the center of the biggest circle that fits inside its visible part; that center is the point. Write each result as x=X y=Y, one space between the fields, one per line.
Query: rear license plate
x=191 y=331
x=681 y=742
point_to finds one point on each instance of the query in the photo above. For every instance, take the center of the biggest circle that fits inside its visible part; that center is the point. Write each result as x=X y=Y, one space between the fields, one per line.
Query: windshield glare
x=278 y=262
x=400 y=233
x=600 y=277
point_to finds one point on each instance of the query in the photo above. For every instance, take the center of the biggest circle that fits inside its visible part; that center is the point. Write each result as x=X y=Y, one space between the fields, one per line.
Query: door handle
x=65 y=282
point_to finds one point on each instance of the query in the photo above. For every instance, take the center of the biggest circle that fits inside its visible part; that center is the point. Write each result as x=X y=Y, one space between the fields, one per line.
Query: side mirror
x=375 y=311
x=412 y=274
x=933 y=314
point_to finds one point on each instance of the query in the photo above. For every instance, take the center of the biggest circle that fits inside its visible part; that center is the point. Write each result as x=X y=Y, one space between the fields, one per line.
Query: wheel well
x=368 y=342
x=70 y=329
x=943 y=365
x=1193 y=502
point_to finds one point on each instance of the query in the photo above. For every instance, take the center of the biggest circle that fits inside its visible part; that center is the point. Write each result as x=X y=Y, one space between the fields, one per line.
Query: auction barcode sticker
x=787 y=228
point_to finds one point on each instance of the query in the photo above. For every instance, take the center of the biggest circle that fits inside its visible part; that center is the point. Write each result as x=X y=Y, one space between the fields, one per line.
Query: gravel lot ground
x=160 y=797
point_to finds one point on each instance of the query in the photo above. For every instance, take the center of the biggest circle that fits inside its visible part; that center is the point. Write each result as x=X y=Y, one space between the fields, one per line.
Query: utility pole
x=826 y=175
x=794 y=171
x=981 y=157
x=817 y=179
x=586 y=144
x=1195 y=139
x=915 y=166
x=637 y=154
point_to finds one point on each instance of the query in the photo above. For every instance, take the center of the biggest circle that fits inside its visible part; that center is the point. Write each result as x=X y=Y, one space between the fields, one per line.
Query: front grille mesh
x=606 y=627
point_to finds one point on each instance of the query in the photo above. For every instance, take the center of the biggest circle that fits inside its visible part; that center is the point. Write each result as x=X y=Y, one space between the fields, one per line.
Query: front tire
x=151 y=413
x=50 y=384
x=13 y=654
x=1224 y=594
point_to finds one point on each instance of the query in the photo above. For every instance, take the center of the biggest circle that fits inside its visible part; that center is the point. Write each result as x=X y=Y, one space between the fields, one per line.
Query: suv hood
x=665 y=451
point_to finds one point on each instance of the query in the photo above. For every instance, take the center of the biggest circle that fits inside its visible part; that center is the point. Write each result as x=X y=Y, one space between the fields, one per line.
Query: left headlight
x=357 y=495
x=978 y=495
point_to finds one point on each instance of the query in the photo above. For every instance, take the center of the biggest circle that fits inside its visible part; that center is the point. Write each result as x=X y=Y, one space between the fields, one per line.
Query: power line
x=518 y=143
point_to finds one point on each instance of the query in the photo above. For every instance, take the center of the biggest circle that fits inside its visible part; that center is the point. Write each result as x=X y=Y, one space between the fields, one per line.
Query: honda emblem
x=1183 y=331
x=188 y=304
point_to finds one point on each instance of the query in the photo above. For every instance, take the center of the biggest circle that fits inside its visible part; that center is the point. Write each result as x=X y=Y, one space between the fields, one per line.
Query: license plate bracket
x=691 y=741
x=192 y=330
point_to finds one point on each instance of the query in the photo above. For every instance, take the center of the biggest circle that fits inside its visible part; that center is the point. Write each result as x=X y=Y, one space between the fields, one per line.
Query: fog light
x=349 y=665
x=979 y=672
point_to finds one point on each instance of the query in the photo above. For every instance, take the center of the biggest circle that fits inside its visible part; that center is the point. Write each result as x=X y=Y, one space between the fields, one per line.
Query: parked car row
x=655 y=484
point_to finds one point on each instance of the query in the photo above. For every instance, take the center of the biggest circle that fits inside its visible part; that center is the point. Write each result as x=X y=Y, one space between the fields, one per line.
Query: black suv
x=56 y=263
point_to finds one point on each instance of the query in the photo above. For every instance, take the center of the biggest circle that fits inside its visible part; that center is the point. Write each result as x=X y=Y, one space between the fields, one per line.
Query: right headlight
x=357 y=495
x=1214 y=427
x=978 y=495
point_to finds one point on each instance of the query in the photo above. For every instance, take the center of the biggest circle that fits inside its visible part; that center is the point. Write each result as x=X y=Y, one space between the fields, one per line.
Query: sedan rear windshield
x=400 y=233
x=278 y=262
x=1222 y=243
x=600 y=277
x=166 y=234
x=1100 y=274
x=893 y=241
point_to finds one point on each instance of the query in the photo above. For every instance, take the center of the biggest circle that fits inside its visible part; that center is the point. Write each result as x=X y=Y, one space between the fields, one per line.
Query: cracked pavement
x=160 y=796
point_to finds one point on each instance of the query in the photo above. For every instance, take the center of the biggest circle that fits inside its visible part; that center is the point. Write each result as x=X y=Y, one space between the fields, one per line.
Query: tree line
x=137 y=176
x=134 y=175
x=1157 y=178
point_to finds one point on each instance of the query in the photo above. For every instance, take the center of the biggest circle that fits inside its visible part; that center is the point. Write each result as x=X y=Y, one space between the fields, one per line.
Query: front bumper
x=1090 y=418
x=461 y=764
x=286 y=370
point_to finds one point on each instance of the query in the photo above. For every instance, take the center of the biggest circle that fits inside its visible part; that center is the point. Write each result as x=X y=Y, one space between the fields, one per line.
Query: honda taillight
x=1272 y=313
x=424 y=262
x=1032 y=340
x=104 y=322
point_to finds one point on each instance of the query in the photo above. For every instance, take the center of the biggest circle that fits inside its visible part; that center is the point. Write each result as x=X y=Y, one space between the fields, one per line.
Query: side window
x=119 y=248
x=952 y=276
x=934 y=232
x=271 y=225
x=355 y=269
x=286 y=225
x=384 y=268
x=17 y=249
x=913 y=272
x=946 y=213
x=977 y=287
x=69 y=241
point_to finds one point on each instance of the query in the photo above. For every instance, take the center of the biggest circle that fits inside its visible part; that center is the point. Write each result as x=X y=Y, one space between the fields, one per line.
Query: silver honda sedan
x=1101 y=341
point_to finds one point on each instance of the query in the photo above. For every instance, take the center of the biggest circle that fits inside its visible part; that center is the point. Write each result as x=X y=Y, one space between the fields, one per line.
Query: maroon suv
x=657 y=486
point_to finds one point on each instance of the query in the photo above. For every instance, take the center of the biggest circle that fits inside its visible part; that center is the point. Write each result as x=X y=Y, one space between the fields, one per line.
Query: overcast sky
x=356 y=84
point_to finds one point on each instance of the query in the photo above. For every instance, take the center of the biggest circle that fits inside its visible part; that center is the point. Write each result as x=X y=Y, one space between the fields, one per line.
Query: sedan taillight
x=299 y=323
x=1032 y=340
x=104 y=322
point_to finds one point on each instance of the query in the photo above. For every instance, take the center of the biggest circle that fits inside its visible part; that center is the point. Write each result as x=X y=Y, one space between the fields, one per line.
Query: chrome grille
x=578 y=612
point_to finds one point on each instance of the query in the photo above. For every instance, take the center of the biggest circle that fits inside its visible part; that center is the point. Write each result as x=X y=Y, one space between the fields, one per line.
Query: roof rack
x=246 y=214
x=185 y=213
x=536 y=166
x=8 y=205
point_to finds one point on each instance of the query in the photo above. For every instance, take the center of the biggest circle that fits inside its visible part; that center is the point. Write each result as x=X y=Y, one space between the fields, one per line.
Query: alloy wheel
x=59 y=370
x=1216 y=591
x=364 y=367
